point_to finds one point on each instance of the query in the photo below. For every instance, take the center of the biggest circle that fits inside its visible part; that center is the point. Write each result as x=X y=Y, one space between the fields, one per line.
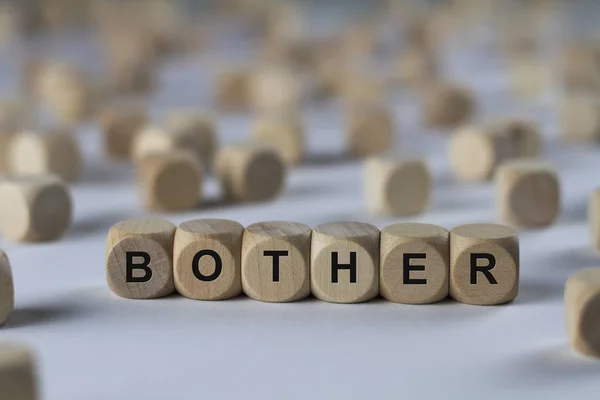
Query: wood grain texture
x=37 y=208
x=195 y=131
x=250 y=172
x=370 y=129
x=582 y=306
x=425 y=249
x=594 y=218
x=290 y=281
x=170 y=181
x=7 y=289
x=285 y=133
x=528 y=193
x=396 y=185
x=153 y=236
x=339 y=240
x=468 y=282
x=18 y=374
x=54 y=151
x=222 y=236
x=120 y=125
x=447 y=105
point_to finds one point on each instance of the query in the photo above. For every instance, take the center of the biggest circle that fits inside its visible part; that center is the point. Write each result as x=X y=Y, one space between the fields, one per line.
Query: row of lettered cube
x=340 y=262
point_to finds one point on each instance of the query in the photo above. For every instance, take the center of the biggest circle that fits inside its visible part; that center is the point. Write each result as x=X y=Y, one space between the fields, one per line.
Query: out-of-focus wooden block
x=594 y=218
x=54 y=151
x=415 y=265
x=119 y=127
x=522 y=136
x=250 y=172
x=170 y=181
x=580 y=118
x=484 y=264
x=582 y=306
x=529 y=76
x=417 y=68
x=285 y=133
x=275 y=89
x=139 y=258
x=37 y=208
x=7 y=289
x=447 y=105
x=193 y=131
x=580 y=69
x=207 y=259
x=345 y=262
x=276 y=261
x=18 y=375
x=528 y=193
x=396 y=185
x=232 y=89
x=371 y=130
x=360 y=88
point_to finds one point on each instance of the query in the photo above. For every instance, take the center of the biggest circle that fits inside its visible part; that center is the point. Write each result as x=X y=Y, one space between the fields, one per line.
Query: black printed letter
x=407 y=268
x=275 y=254
x=130 y=266
x=196 y=268
x=485 y=270
x=335 y=267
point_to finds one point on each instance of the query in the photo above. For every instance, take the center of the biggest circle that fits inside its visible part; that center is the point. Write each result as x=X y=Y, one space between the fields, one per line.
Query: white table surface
x=93 y=345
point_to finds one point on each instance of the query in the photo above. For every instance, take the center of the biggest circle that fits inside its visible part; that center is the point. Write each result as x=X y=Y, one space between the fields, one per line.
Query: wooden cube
x=358 y=88
x=285 y=133
x=194 y=131
x=345 y=262
x=530 y=76
x=447 y=105
x=37 y=208
x=7 y=289
x=371 y=130
x=275 y=261
x=484 y=264
x=55 y=152
x=250 y=172
x=580 y=118
x=396 y=185
x=119 y=127
x=594 y=218
x=414 y=267
x=522 y=137
x=275 y=89
x=232 y=90
x=207 y=259
x=528 y=193
x=582 y=308
x=170 y=181
x=139 y=258
x=417 y=68
x=18 y=375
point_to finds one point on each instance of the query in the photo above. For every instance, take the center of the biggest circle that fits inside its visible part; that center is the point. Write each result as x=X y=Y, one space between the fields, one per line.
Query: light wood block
x=276 y=261
x=18 y=375
x=250 y=172
x=582 y=306
x=484 y=264
x=345 y=262
x=417 y=68
x=371 y=130
x=37 y=208
x=594 y=218
x=359 y=88
x=579 y=68
x=523 y=138
x=119 y=127
x=194 y=131
x=170 y=181
x=285 y=133
x=415 y=264
x=529 y=76
x=55 y=152
x=580 y=118
x=396 y=185
x=275 y=89
x=232 y=90
x=207 y=259
x=528 y=193
x=7 y=289
x=139 y=258
x=447 y=105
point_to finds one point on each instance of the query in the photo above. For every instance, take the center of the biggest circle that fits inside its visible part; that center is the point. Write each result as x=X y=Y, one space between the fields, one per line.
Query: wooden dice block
x=18 y=376
x=7 y=290
x=529 y=76
x=285 y=133
x=594 y=218
x=170 y=181
x=275 y=89
x=580 y=118
x=582 y=308
x=579 y=68
x=447 y=105
x=371 y=130
x=193 y=131
x=207 y=259
x=359 y=88
x=522 y=137
x=396 y=185
x=417 y=68
x=484 y=264
x=37 y=208
x=139 y=258
x=119 y=127
x=275 y=261
x=414 y=266
x=250 y=172
x=345 y=262
x=528 y=193
x=55 y=152
x=232 y=91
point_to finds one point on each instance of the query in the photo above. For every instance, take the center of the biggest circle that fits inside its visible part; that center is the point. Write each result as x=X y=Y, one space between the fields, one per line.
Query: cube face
x=207 y=259
x=371 y=130
x=582 y=311
x=18 y=377
x=447 y=106
x=284 y=134
x=275 y=261
x=7 y=291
